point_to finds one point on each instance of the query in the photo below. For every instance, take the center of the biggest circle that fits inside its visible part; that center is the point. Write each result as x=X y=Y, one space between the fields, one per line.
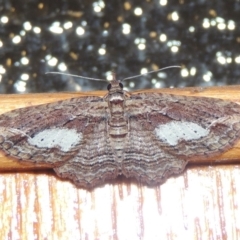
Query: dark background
x=40 y=36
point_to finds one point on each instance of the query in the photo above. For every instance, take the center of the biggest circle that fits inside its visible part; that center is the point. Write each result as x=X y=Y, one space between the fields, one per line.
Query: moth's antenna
x=113 y=75
x=161 y=69
x=72 y=75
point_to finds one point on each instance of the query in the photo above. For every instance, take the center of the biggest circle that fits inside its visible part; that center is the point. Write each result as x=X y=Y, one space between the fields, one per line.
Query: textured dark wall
x=205 y=34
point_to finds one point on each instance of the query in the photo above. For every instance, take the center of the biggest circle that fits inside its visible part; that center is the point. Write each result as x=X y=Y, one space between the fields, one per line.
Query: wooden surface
x=202 y=203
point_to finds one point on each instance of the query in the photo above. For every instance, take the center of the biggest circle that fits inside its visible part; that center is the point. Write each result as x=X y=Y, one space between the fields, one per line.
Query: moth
x=147 y=136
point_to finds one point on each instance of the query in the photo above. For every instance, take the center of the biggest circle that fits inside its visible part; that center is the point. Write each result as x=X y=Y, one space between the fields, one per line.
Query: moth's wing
x=94 y=162
x=71 y=132
x=165 y=131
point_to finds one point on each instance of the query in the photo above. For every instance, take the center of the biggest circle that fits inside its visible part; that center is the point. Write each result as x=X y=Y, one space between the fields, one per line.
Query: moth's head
x=115 y=85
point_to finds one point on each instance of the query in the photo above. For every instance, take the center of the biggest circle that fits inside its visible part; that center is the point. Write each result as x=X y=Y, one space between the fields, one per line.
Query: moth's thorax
x=117 y=97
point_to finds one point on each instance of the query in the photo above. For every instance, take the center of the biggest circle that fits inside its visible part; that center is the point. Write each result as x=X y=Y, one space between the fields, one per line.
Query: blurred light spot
x=120 y=19
x=24 y=77
x=67 y=25
x=97 y=9
x=220 y=20
x=207 y=76
x=138 y=11
x=141 y=46
x=206 y=23
x=74 y=14
x=162 y=75
x=20 y=86
x=140 y=42
x=1 y=43
x=127 y=6
x=175 y=16
x=212 y=13
x=80 y=30
x=132 y=84
x=174 y=49
x=237 y=59
x=27 y=26
x=163 y=2
x=231 y=25
x=153 y=81
x=9 y=62
x=105 y=33
x=90 y=47
x=52 y=61
x=47 y=57
x=37 y=30
x=157 y=85
x=102 y=51
x=221 y=26
x=154 y=67
x=98 y=6
x=213 y=22
x=4 y=19
x=193 y=71
x=73 y=55
x=126 y=28
x=84 y=23
x=173 y=43
x=191 y=29
x=109 y=76
x=224 y=58
x=163 y=37
x=184 y=72
x=22 y=33
x=229 y=60
x=16 y=39
x=2 y=70
x=24 y=60
x=40 y=5
x=56 y=28
x=78 y=88
x=106 y=25
x=152 y=34
x=62 y=67
x=221 y=60
x=143 y=71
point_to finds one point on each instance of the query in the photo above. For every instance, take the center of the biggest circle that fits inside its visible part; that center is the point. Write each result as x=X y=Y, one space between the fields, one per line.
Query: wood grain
x=200 y=204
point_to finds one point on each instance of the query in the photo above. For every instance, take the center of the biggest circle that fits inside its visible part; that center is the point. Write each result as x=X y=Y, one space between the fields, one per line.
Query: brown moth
x=148 y=136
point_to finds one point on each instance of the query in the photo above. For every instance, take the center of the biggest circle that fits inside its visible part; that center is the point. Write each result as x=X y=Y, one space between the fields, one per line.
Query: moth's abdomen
x=117 y=126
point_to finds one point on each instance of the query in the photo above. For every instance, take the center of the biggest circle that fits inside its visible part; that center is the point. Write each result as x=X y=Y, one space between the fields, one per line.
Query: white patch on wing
x=174 y=131
x=57 y=137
